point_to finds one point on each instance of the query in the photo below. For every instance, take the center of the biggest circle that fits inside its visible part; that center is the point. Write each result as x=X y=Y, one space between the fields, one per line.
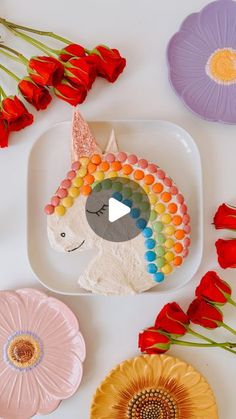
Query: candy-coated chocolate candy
x=68 y=202
x=125 y=180
x=169 y=256
x=185 y=253
x=74 y=192
x=112 y=174
x=178 y=247
x=159 y=277
x=138 y=174
x=169 y=230
x=161 y=174
x=153 y=199
x=84 y=161
x=99 y=175
x=167 y=181
x=78 y=182
x=177 y=220
x=180 y=199
x=137 y=197
x=166 y=218
x=97 y=186
x=116 y=165
x=169 y=243
x=49 y=209
x=151 y=268
x=158 y=227
x=161 y=238
x=117 y=186
x=92 y=167
x=85 y=190
x=143 y=163
x=149 y=179
x=146 y=189
x=187 y=242
x=157 y=188
x=144 y=206
x=127 y=192
x=160 y=262
x=122 y=156
x=107 y=184
x=177 y=261
x=153 y=215
x=166 y=197
x=88 y=179
x=55 y=201
x=172 y=208
x=66 y=183
x=141 y=223
x=76 y=165
x=60 y=210
x=152 y=168
x=147 y=232
x=167 y=269
x=183 y=209
x=127 y=169
x=150 y=256
x=128 y=203
x=160 y=251
x=82 y=172
x=150 y=243
x=174 y=190
x=71 y=174
x=96 y=159
x=179 y=234
x=62 y=193
x=132 y=159
x=104 y=166
x=186 y=219
x=117 y=196
x=187 y=229
x=135 y=213
x=160 y=208
x=110 y=157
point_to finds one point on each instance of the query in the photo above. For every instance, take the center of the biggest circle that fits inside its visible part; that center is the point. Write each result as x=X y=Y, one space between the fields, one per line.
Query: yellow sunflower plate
x=154 y=387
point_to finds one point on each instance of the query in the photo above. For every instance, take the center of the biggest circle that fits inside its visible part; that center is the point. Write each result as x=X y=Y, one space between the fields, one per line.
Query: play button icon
x=117 y=210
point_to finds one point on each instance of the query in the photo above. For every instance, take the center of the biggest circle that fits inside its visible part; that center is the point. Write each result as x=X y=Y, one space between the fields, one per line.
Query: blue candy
x=150 y=256
x=151 y=268
x=147 y=232
x=159 y=277
x=141 y=223
x=135 y=213
x=117 y=196
x=128 y=203
x=150 y=243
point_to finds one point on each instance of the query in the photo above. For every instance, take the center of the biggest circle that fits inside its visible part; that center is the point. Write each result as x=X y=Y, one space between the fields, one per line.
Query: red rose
x=225 y=217
x=16 y=114
x=153 y=342
x=45 y=71
x=4 y=132
x=226 y=250
x=81 y=70
x=72 y=50
x=172 y=319
x=71 y=94
x=36 y=95
x=110 y=64
x=213 y=289
x=202 y=313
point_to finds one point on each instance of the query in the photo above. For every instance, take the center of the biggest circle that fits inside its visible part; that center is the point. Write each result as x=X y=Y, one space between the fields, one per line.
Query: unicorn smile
x=76 y=248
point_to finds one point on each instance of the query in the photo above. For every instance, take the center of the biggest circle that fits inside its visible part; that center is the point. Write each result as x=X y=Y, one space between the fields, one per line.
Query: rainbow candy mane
x=166 y=235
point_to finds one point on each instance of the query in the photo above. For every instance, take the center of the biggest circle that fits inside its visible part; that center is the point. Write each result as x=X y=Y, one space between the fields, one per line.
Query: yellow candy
x=166 y=218
x=78 y=182
x=112 y=174
x=169 y=243
x=60 y=210
x=68 y=202
x=125 y=179
x=146 y=189
x=160 y=208
x=169 y=230
x=98 y=176
x=74 y=192
x=169 y=256
x=84 y=161
x=167 y=269
x=82 y=172
x=153 y=199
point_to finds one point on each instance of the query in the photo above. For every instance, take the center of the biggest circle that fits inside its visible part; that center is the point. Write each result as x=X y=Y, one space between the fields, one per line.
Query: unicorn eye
x=63 y=234
x=100 y=211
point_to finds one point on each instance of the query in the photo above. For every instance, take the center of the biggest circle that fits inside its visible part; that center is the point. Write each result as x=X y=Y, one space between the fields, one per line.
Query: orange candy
x=177 y=261
x=127 y=169
x=177 y=220
x=149 y=179
x=85 y=190
x=88 y=179
x=116 y=165
x=178 y=247
x=96 y=159
x=172 y=208
x=138 y=175
x=92 y=167
x=166 y=197
x=157 y=188
x=104 y=166
x=179 y=234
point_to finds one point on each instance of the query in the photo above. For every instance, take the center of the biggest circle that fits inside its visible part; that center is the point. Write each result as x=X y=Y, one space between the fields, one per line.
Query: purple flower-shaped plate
x=202 y=62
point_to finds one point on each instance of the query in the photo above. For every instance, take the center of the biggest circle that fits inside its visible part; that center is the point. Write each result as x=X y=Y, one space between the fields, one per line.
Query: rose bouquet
x=225 y=218
x=69 y=71
x=172 y=323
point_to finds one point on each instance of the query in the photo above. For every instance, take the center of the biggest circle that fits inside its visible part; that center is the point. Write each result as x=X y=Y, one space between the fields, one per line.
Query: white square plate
x=160 y=142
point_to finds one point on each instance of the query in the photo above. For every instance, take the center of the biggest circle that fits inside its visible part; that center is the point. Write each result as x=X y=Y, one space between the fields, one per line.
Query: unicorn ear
x=112 y=146
x=83 y=141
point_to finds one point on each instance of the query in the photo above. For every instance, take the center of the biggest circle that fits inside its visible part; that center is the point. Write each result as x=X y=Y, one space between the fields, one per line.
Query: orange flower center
x=153 y=404
x=24 y=351
x=221 y=66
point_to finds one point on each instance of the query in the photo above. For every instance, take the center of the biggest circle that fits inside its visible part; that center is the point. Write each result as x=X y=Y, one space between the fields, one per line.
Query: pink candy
x=66 y=183
x=143 y=163
x=161 y=174
x=167 y=181
x=187 y=229
x=183 y=209
x=62 y=193
x=187 y=242
x=71 y=175
x=152 y=168
x=186 y=219
x=185 y=253
x=122 y=157
x=132 y=159
x=174 y=190
x=76 y=165
x=55 y=201
x=180 y=199
x=110 y=157
x=49 y=209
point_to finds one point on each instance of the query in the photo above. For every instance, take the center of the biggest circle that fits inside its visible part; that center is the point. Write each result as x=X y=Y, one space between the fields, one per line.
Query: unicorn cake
x=118 y=268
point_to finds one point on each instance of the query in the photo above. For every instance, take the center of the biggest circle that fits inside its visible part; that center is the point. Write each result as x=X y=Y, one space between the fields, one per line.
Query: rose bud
x=226 y=250
x=4 y=132
x=38 y=96
x=69 y=93
x=151 y=341
x=213 y=289
x=110 y=64
x=72 y=50
x=16 y=114
x=45 y=71
x=81 y=70
x=202 y=313
x=225 y=217
x=172 y=320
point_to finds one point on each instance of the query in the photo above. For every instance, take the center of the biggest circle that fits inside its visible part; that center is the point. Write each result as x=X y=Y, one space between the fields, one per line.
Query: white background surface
x=141 y=30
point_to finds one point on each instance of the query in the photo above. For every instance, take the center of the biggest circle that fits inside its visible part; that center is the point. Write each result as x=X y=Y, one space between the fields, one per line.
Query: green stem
x=10 y=73
x=231 y=301
x=200 y=345
x=2 y=93
x=16 y=57
x=230 y=329
x=199 y=335
x=36 y=31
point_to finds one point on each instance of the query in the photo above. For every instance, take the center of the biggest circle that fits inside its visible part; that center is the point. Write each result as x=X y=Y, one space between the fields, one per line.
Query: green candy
x=117 y=186
x=158 y=226
x=144 y=206
x=127 y=192
x=160 y=238
x=160 y=262
x=153 y=215
x=107 y=184
x=137 y=197
x=97 y=186
x=160 y=251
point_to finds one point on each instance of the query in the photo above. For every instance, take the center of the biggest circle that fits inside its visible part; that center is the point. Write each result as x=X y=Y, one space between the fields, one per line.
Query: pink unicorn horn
x=83 y=141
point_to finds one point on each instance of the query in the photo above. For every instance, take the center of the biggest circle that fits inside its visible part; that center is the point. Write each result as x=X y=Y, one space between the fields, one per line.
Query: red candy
x=161 y=174
x=186 y=219
x=110 y=157
x=62 y=193
x=122 y=157
x=152 y=168
x=174 y=190
x=71 y=175
x=180 y=199
x=167 y=181
x=66 y=183
x=183 y=209
x=49 y=209
x=187 y=242
x=185 y=253
x=76 y=165
x=55 y=201
x=132 y=159
x=187 y=229
x=143 y=163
